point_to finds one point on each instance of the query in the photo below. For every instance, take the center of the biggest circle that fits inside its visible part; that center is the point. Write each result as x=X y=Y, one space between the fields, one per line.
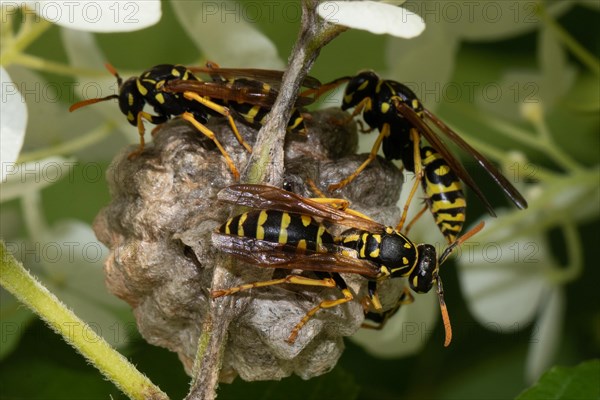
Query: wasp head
x=426 y=271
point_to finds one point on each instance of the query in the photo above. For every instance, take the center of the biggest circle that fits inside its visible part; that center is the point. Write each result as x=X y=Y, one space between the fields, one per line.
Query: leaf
x=491 y=20
x=579 y=382
x=14 y=320
x=225 y=36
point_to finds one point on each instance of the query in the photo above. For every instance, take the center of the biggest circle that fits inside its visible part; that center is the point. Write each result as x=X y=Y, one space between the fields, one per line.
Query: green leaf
x=580 y=382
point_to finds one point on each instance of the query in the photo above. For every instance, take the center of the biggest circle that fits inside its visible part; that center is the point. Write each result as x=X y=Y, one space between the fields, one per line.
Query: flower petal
x=435 y=51
x=503 y=281
x=375 y=17
x=546 y=334
x=406 y=332
x=99 y=16
x=83 y=51
x=13 y=122
x=214 y=30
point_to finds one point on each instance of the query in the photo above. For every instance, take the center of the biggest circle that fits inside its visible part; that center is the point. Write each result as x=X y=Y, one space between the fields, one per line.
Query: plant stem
x=18 y=281
x=28 y=33
x=587 y=58
x=41 y=64
x=266 y=166
x=575 y=254
x=70 y=146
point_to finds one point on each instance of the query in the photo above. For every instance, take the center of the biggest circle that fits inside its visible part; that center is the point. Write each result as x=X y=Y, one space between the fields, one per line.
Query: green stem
x=71 y=146
x=28 y=34
x=575 y=253
x=19 y=282
x=549 y=146
x=587 y=180
x=41 y=64
x=541 y=173
x=32 y=213
x=586 y=58
x=517 y=134
x=542 y=141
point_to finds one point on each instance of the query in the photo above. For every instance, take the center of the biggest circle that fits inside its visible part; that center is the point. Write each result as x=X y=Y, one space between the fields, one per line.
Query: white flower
x=509 y=282
x=13 y=121
x=372 y=16
x=95 y=16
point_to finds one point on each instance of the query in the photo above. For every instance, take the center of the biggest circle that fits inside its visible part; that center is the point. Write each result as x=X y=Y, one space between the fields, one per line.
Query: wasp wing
x=276 y=255
x=494 y=173
x=407 y=112
x=271 y=197
x=272 y=77
x=241 y=90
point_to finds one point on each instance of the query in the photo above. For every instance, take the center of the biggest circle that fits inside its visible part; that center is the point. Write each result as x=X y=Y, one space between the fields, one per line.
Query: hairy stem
x=19 y=282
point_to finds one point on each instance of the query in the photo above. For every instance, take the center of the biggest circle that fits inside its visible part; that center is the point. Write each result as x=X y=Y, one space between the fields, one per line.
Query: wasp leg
x=325 y=87
x=335 y=281
x=372 y=299
x=380 y=319
x=385 y=132
x=418 y=176
x=295 y=279
x=340 y=204
x=339 y=282
x=210 y=134
x=315 y=189
x=224 y=111
x=415 y=219
x=141 y=116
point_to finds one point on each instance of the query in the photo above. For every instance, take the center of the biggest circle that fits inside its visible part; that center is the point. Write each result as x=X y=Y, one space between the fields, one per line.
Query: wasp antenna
x=460 y=241
x=87 y=102
x=444 y=310
x=114 y=73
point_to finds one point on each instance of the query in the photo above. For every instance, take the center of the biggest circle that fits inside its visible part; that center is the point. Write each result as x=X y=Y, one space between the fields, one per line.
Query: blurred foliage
x=480 y=364
x=579 y=382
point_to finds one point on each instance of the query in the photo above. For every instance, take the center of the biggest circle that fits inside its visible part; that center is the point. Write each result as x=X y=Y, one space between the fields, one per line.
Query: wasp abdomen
x=445 y=197
x=274 y=226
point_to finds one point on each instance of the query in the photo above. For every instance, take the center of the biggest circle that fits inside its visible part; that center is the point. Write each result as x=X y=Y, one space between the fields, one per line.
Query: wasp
x=399 y=116
x=248 y=93
x=136 y=92
x=285 y=230
x=163 y=87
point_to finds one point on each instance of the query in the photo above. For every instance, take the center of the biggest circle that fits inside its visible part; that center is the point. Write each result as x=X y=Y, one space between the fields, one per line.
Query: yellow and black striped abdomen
x=273 y=226
x=444 y=194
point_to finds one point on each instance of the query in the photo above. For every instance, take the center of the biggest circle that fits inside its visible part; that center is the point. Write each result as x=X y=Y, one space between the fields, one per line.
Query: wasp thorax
x=158 y=228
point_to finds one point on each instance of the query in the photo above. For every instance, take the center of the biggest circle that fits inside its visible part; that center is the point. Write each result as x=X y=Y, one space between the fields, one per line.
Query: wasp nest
x=158 y=228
